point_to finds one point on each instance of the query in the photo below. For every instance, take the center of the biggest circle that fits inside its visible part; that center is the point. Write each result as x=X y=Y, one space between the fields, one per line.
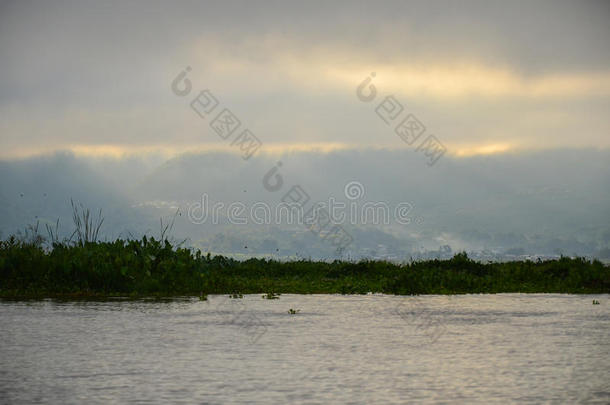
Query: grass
x=150 y=267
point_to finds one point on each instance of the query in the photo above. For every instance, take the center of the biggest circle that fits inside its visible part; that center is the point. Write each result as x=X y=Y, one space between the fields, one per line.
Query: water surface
x=338 y=349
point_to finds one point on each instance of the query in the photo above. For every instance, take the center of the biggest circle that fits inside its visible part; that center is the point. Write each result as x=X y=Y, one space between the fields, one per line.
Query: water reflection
x=361 y=349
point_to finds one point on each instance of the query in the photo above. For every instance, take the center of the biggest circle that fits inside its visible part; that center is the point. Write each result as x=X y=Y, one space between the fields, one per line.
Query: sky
x=515 y=93
x=484 y=77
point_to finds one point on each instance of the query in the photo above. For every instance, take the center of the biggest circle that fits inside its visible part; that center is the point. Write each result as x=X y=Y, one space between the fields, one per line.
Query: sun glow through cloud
x=332 y=68
x=297 y=92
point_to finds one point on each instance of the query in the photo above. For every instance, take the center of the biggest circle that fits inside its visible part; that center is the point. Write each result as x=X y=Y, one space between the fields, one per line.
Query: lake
x=527 y=348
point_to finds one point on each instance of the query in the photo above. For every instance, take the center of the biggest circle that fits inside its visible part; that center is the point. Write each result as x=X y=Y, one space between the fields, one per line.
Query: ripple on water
x=360 y=349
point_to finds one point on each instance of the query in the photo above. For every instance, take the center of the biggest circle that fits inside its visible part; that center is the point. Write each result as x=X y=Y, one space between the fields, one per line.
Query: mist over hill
x=498 y=206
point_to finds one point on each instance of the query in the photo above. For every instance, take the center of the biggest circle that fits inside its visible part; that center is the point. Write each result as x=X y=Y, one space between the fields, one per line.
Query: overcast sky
x=517 y=92
x=484 y=77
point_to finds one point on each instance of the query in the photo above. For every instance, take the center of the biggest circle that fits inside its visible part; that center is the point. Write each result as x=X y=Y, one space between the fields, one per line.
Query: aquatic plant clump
x=152 y=267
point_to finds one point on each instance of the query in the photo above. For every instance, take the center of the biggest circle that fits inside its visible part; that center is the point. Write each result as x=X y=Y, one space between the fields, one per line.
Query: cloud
x=268 y=63
x=292 y=92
